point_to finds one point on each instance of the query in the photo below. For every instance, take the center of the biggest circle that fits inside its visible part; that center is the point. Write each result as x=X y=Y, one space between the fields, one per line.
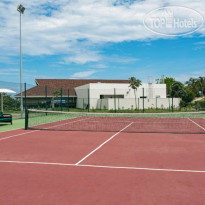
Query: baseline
x=106 y=167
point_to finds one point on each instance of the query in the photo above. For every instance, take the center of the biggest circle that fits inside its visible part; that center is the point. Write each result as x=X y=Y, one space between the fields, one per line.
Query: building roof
x=65 y=84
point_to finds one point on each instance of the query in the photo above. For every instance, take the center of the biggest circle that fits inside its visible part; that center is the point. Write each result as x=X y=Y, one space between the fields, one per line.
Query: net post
x=68 y=98
x=115 y=99
x=143 y=98
x=88 y=100
x=26 y=118
x=25 y=98
x=61 y=102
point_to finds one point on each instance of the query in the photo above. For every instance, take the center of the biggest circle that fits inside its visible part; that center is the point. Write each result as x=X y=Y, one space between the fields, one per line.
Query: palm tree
x=134 y=84
x=177 y=90
x=197 y=85
x=193 y=83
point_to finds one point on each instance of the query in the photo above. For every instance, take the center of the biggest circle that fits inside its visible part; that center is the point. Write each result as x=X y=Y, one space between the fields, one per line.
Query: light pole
x=21 y=10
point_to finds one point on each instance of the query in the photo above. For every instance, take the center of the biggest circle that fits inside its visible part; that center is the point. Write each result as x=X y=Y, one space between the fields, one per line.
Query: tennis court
x=72 y=158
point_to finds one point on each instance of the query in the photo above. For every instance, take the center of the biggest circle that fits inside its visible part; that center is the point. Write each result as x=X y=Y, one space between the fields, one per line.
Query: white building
x=121 y=96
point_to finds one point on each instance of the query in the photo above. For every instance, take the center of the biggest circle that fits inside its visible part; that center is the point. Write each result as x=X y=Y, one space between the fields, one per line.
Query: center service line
x=103 y=144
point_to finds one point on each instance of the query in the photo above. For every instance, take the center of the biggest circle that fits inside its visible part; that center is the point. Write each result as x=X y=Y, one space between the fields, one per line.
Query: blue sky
x=91 y=39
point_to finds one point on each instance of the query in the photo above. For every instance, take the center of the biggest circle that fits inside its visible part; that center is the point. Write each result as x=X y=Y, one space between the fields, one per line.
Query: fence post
x=118 y=102
x=2 y=109
x=88 y=100
x=156 y=103
x=61 y=100
x=25 y=97
x=100 y=104
x=68 y=99
x=46 y=94
x=172 y=104
x=115 y=99
x=143 y=99
x=169 y=102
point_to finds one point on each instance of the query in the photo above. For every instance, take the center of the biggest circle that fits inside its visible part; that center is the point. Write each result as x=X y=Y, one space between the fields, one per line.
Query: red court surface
x=65 y=167
x=165 y=151
x=51 y=146
x=47 y=184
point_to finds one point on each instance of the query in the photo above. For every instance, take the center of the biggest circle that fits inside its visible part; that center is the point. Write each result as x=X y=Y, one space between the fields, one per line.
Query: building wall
x=97 y=90
x=123 y=104
x=150 y=90
x=82 y=96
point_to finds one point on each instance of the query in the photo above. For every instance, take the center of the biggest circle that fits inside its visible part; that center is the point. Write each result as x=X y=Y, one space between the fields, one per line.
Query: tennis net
x=190 y=122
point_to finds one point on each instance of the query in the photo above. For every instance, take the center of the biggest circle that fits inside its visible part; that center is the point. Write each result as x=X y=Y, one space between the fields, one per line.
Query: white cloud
x=9 y=71
x=186 y=76
x=200 y=43
x=83 y=57
x=49 y=27
x=84 y=74
x=99 y=65
x=117 y=59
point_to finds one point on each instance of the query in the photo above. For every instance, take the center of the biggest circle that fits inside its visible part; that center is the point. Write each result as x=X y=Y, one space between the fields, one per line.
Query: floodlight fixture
x=20 y=8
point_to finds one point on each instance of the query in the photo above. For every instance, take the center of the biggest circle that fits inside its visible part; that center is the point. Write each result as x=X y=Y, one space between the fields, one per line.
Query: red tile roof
x=65 y=84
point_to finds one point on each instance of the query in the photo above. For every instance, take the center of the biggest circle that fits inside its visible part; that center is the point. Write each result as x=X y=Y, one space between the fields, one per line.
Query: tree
x=134 y=84
x=10 y=104
x=177 y=90
x=169 y=82
x=194 y=84
x=189 y=95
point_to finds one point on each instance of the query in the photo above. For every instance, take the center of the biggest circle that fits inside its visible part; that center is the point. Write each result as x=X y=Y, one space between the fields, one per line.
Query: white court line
x=38 y=130
x=197 y=124
x=102 y=144
x=141 y=168
x=39 y=163
x=106 y=167
x=11 y=130
x=135 y=122
x=17 y=135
